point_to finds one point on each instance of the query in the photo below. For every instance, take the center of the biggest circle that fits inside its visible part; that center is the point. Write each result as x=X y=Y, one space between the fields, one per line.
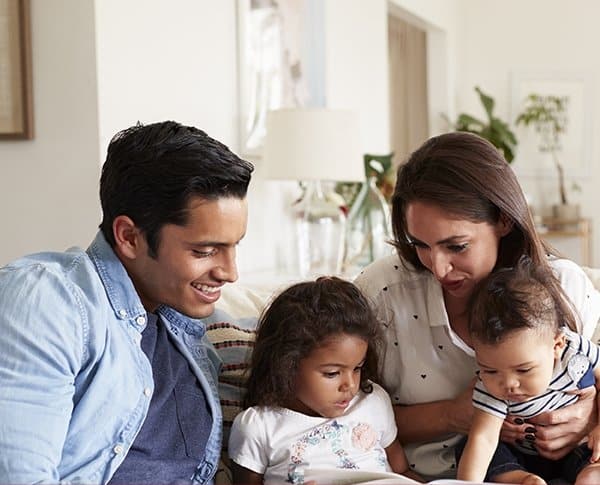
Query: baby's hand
x=532 y=479
x=594 y=444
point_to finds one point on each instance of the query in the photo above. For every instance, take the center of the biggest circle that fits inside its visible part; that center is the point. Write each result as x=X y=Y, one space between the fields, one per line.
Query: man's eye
x=203 y=254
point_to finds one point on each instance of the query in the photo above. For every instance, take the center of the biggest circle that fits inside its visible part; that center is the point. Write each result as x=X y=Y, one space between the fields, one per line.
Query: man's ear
x=504 y=225
x=128 y=238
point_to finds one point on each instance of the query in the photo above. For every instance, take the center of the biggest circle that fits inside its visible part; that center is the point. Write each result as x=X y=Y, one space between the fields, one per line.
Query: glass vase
x=368 y=228
x=320 y=223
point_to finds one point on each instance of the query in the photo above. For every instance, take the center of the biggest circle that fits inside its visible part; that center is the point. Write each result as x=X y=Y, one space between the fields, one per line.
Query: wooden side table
x=579 y=229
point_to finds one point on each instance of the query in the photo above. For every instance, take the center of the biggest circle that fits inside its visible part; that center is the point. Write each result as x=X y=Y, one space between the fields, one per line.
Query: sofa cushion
x=234 y=345
x=233 y=339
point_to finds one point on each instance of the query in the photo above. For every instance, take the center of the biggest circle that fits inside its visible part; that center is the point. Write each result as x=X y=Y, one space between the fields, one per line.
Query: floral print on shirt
x=332 y=437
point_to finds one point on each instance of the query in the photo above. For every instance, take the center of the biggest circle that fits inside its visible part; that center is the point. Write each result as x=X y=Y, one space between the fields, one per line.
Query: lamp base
x=321 y=226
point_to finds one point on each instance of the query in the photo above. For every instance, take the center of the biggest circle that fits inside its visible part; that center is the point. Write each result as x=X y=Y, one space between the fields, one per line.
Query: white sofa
x=231 y=330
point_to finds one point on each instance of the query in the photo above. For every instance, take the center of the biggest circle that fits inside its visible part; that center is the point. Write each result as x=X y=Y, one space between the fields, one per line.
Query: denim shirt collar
x=122 y=295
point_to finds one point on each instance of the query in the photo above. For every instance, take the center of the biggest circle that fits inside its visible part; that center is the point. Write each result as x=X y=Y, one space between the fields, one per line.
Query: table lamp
x=315 y=145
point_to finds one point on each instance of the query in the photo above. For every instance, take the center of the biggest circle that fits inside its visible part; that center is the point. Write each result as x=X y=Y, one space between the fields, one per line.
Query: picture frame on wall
x=575 y=152
x=280 y=62
x=16 y=106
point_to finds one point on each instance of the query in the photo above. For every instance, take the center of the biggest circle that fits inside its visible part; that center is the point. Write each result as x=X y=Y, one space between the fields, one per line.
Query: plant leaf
x=487 y=101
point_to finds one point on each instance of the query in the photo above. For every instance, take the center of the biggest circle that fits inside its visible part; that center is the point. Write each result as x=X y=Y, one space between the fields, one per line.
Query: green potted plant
x=496 y=131
x=547 y=114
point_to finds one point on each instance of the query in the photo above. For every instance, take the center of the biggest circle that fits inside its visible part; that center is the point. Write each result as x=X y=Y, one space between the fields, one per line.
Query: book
x=341 y=476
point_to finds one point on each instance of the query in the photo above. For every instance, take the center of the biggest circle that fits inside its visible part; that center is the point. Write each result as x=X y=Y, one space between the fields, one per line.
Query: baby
x=529 y=362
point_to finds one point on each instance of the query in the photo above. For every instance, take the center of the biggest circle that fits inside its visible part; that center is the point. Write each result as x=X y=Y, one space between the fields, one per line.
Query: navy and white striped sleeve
x=483 y=400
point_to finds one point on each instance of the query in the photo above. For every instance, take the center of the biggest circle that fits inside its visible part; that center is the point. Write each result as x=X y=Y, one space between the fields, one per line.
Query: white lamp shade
x=313 y=144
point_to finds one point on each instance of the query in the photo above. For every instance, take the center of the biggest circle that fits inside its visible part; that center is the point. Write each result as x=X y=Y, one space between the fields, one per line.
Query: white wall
x=162 y=60
x=48 y=189
x=356 y=70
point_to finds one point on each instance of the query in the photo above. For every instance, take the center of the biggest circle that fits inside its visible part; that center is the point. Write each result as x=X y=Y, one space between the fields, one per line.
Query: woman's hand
x=594 y=444
x=460 y=410
x=556 y=433
x=515 y=429
x=429 y=421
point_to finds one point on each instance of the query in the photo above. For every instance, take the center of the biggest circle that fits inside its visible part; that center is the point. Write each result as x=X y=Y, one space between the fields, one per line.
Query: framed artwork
x=280 y=62
x=16 y=111
x=575 y=151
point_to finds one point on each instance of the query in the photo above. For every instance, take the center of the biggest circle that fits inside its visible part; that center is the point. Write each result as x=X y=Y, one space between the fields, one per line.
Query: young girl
x=311 y=399
x=529 y=363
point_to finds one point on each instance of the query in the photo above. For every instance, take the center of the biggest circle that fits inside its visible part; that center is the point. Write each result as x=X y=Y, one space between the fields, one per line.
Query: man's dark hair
x=152 y=171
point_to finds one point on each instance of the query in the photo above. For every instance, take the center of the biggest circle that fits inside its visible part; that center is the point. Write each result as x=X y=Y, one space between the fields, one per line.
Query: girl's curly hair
x=299 y=320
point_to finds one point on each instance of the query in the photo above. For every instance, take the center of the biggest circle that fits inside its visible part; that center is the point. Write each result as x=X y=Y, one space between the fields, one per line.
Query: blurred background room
x=406 y=69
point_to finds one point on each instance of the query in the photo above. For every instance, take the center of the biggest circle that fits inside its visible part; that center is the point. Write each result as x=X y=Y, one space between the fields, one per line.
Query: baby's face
x=520 y=366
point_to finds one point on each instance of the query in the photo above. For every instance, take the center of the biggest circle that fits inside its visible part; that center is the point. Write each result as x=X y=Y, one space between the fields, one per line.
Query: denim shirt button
x=118 y=449
x=140 y=320
x=147 y=392
x=123 y=313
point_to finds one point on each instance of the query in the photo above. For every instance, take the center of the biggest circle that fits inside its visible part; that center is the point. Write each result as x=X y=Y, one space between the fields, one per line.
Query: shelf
x=564 y=229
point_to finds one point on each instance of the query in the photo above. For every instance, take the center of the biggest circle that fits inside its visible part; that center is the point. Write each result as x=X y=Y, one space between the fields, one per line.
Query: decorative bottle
x=368 y=230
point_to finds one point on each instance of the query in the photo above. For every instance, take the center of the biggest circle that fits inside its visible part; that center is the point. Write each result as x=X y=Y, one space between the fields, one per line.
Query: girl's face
x=458 y=252
x=329 y=377
x=521 y=365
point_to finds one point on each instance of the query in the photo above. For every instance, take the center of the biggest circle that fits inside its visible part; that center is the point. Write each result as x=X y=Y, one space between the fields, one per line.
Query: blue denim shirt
x=75 y=385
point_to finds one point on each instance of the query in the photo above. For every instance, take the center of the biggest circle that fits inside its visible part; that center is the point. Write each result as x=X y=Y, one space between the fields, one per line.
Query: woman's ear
x=504 y=225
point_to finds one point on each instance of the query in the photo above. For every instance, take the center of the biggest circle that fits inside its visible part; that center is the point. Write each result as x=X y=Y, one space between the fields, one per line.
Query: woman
x=458 y=212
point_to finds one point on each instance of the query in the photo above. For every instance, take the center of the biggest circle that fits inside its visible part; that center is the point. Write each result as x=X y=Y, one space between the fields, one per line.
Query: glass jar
x=368 y=228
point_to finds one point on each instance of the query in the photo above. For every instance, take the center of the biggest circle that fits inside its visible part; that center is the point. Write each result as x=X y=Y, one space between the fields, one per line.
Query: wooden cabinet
x=573 y=239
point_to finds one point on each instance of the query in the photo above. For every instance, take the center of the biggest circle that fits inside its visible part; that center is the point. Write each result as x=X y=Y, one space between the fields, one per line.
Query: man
x=105 y=372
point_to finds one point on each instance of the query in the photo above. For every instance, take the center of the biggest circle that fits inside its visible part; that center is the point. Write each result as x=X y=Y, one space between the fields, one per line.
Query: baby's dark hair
x=298 y=321
x=524 y=296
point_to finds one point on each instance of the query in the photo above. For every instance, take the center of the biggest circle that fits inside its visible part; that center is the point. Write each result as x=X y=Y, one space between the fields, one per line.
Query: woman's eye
x=358 y=369
x=488 y=371
x=524 y=371
x=458 y=248
x=418 y=244
x=331 y=375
